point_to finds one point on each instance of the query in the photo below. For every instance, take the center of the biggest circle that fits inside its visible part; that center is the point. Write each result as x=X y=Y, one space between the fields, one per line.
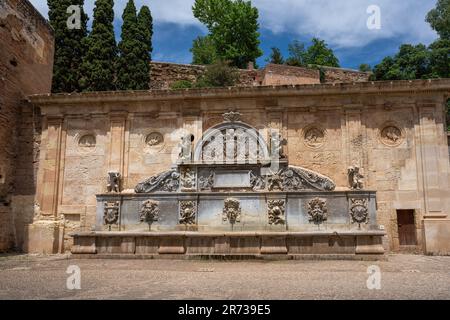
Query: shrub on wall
x=181 y=84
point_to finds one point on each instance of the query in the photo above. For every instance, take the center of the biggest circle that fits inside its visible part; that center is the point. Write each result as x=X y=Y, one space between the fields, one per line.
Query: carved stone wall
x=393 y=132
x=26 y=58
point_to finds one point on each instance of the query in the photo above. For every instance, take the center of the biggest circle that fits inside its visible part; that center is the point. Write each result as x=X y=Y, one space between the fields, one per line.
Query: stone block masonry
x=164 y=74
x=26 y=65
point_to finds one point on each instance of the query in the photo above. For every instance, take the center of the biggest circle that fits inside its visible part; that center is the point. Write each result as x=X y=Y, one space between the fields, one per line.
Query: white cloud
x=342 y=23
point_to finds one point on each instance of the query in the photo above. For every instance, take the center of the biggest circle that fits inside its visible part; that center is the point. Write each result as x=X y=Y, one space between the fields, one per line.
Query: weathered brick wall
x=164 y=74
x=336 y=75
x=276 y=74
x=26 y=59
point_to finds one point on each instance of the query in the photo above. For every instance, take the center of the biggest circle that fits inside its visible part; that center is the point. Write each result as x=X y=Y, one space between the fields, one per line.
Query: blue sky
x=341 y=23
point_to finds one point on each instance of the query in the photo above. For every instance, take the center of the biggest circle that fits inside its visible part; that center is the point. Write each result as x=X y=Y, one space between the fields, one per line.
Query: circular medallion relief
x=154 y=139
x=87 y=141
x=391 y=135
x=314 y=137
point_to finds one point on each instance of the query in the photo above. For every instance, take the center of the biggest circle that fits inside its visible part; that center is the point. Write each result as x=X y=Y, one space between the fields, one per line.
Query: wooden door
x=406 y=227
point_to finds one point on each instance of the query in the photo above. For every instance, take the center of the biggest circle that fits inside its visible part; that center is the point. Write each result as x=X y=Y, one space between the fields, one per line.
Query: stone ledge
x=374 y=87
x=187 y=245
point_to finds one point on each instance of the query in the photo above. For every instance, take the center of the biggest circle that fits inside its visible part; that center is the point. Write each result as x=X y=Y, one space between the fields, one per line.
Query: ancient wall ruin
x=26 y=63
x=164 y=74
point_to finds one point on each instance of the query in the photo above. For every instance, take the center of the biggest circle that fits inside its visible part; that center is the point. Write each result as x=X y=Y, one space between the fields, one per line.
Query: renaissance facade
x=361 y=169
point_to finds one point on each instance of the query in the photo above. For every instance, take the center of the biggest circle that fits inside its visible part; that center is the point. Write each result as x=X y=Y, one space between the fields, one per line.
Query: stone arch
x=246 y=142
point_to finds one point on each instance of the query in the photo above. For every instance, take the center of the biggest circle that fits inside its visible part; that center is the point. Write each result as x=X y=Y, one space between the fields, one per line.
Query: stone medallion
x=391 y=135
x=87 y=143
x=314 y=137
x=154 y=139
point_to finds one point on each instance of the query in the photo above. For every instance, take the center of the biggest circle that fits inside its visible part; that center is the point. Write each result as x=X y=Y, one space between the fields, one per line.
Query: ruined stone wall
x=337 y=75
x=26 y=59
x=164 y=74
x=276 y=74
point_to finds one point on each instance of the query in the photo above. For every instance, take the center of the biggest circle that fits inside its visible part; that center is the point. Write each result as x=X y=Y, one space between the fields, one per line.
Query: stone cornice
x=369 y=88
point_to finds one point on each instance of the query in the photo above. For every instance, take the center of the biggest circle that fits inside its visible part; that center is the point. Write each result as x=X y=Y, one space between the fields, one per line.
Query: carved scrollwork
x=111 y=213
x=188 y=211
x=167 y=181
x=149 y=211
x=317 y=210
x=296 y=178
x=232 y=116
x=276 y=211
x=359 y=211
x=231 y=210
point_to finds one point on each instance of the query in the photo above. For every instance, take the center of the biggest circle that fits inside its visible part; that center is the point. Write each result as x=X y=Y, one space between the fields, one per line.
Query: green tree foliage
x=364 y=67
x=440 y=58
x=233 y=29
x=276 y=57
x=420 y=62
x=203 y=51
x=439 y=19
x=317 y=54
x=70 y=46
x=411 y=62
x=98 y=65
x=127 y=61
x=181 y=84
x=296 y=54
x=133 y=62
x=219 y=74
x=145 y=27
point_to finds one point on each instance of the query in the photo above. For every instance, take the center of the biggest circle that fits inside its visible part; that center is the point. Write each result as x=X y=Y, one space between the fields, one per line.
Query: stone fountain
x=234 y=194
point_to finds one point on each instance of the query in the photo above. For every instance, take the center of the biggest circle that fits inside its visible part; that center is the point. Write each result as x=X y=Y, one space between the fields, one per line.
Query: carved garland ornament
x=231 y=211
x=359 y=211
x=296 y=178
x=167 y=181
x=276 y=210
x=188 y=211
x=317 y=210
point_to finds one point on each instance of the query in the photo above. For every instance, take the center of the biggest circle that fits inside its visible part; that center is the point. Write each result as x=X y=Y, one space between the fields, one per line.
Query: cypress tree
x=99 y=62
x=144 y=48
x=69 y=45
x=128 y=60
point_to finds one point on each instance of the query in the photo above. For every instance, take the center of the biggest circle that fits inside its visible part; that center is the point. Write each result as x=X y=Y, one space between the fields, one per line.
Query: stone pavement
x=402 y=277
